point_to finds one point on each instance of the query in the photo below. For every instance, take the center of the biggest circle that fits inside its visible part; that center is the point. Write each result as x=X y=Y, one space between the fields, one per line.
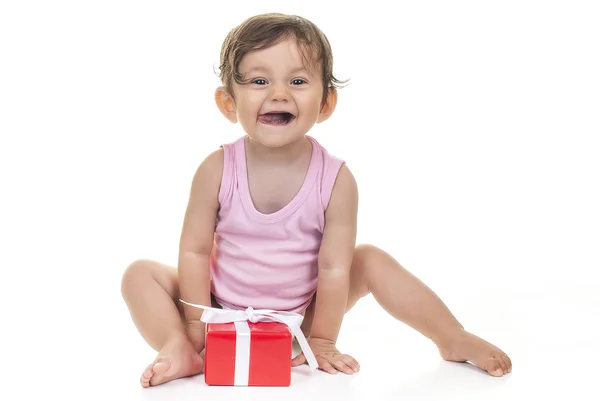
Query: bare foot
x=466 y=347
x=175 y=360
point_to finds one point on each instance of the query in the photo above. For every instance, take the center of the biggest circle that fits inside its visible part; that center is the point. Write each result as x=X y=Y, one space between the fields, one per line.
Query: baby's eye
x=259 y=81
x=298 y=81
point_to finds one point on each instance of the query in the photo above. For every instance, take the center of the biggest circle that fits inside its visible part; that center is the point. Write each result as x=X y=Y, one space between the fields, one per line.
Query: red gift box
x=251 y=347
x=248 y=354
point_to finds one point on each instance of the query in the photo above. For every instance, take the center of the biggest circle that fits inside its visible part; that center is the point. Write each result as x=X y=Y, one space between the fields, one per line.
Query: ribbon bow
x=290 y=319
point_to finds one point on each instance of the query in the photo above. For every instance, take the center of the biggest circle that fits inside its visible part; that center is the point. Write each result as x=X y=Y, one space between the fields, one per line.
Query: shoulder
x=212 y=165
x=337 y=171
x=327 y=156
x=214 y=162
x=343 y=205
x=206 y=182
x=345 y=188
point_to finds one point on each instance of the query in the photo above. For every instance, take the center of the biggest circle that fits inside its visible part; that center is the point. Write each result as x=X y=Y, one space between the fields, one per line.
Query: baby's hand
x=328 y=357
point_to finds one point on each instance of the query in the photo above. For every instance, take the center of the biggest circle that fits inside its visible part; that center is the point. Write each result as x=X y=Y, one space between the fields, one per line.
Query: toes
x=502 y=363
x=493 y=367
x=146 y=376
x=197 y=364
x=507 y=362
x=148 y=373
x=161 y=367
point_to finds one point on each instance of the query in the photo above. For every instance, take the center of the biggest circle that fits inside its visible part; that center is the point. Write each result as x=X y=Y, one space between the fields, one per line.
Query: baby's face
x=282 y=99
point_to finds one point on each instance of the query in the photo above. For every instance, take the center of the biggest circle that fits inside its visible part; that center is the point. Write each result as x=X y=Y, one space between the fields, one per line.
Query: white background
x=472 y=129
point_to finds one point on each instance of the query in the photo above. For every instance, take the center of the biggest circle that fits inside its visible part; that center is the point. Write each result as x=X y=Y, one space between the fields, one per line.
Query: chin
x=276 y=140
x=274 y=143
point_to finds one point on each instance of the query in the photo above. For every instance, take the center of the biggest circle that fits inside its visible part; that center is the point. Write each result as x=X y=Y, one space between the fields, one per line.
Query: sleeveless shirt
x=269 y=261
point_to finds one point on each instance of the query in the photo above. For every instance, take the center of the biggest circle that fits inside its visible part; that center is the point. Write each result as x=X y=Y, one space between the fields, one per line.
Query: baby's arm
x=335 y=257
x=196 y=243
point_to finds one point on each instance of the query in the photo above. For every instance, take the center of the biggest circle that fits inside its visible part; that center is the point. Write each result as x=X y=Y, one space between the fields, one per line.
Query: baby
x=271 y=221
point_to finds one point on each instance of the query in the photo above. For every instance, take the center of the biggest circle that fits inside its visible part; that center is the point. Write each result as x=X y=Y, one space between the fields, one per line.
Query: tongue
x=273 y=118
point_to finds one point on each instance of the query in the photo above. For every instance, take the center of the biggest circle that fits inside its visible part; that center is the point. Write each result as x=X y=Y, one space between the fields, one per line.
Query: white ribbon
x=241 y=375
x=290 y=319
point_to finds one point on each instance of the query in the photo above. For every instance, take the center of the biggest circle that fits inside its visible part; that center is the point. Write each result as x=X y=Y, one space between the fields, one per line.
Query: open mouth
x=276 y=118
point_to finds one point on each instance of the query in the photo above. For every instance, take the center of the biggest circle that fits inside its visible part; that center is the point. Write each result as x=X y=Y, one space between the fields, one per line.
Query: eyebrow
x=265 y=69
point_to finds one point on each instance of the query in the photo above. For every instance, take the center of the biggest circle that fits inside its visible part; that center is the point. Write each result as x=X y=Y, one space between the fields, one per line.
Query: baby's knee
x=364 y=253
x=135 y=272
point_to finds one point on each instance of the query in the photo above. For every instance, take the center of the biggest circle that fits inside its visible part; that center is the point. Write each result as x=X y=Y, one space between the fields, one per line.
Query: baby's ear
x=329 y=106
x=226 y=104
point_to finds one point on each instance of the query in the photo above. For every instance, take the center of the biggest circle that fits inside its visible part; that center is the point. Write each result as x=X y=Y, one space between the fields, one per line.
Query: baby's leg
x=409 y=300
x=151 y=292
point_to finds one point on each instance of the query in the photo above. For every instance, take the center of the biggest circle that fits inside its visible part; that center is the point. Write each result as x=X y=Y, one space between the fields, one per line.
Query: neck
x=284 y=155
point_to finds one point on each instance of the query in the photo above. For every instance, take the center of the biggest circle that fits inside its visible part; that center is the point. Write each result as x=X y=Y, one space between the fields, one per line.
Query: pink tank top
x=269 y=261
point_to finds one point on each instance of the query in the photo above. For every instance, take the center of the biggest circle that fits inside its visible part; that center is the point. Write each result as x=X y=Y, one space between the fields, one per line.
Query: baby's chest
x=271 y=193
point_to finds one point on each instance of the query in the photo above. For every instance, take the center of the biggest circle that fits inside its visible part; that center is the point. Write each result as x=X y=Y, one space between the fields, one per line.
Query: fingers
x=326 y=366
x=331 y=363
x=351 y=362
x=299 y=360
x=341 y=363
x=342 y=367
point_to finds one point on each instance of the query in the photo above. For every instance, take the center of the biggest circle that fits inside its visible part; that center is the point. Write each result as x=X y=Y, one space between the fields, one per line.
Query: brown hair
x=265 y=30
